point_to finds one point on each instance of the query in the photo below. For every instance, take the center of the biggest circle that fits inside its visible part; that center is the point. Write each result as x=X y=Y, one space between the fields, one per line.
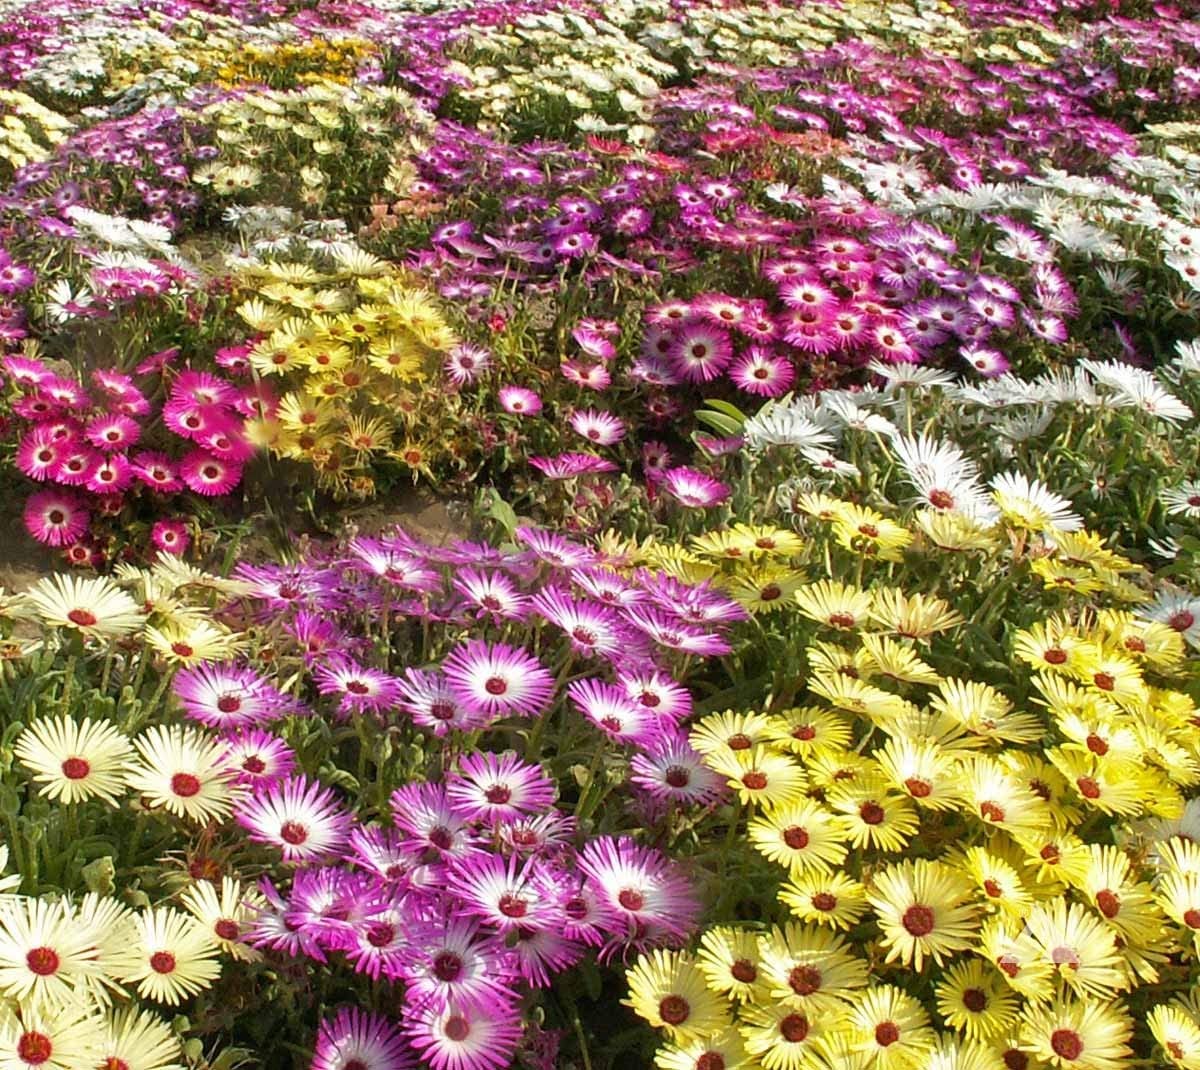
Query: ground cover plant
x=800 y=670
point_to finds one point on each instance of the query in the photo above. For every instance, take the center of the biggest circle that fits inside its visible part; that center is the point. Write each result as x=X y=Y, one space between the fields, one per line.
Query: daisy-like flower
x=95 y=606
x=181 y=770
x=299 y=816
x=973 y=999
x=66 y=1037
x=658 y=692
x=594 y=630
x=760 y=775
x=75 y=761
x=171 y=958
x=1029 y=504
x=810 y=968
x=870 y=814
x=353 y=1038
x=498 y=787
x=227 y=914
x=729 y=960
x=700 y=351
x=46 y=956
x=257 y=757
x=834 y=899
x=890 y=1028
x=781 y=1035
x=454 y=961
x=209 y=475
x=692 y=488
x=668 y=990
x=497 y=679
x=619 y=718
x=362 y=689
x=431 y=704
x=466 y=363
x=519 y=401
x=508 y=894
x=722 y=1048
x=802 y=836
x=140 y=1040
x=1182 y=499
x=1179 y=611
x=924 y=910
x=224 y=696
x=599 y=428
x=192 y=642
x=674 y=772
x=1077 y=1035
x=641 y=891
x=836 y=605
x=493 y=593
x=1177 y=1033
x=570 y=465
x=763 y=373
x=1082 y=950
x=464 y=1038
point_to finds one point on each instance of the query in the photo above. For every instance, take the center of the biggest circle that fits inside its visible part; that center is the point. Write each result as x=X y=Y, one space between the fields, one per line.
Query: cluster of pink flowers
x=92 y=448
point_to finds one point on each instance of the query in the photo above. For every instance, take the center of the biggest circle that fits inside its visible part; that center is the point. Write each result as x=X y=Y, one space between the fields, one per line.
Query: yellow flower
x=1113 y=676
x=1177 y=1034
x=867 y=532
x=783 y=1037
x=1000 y=801
x=765 y=590
x=807 y=730
x=923 y=770
x=1056 y=856
x=981 y=709
x=1127 y=906
x=729 y=730
x=913 y=617
x=1078 y=1036
x=836 y=605
x=830 y=659
x=1058 y=576
x=1049 y=645
x=1112 y=787
x=191 y=643
x=729 y=960
x=760 y=775
x=891 y=1029
x=898 y=662
x=721 y=1048
x=870 y=815
x=809 y=968
x=955 y=532
x=858 y=697
x=1081 y=949
x=668 y=990
x=833 y=899
x=996 y=880
x=924 y=911
x=973 y=998
x=1151 y=642
x=801 y=836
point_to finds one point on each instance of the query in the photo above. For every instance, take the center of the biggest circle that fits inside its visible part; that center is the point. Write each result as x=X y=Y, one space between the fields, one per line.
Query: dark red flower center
x=744 y=970
x=254 y=764
x=229 y=703
x=674 y=1010
x=631 y=899
x=380 y=934
x=76 y=768
x=917 y=788
x=498 y=794
x=886 y=1034
x=975 y=1000
x=871 y=813
x=495 y=685
x=34 y=1048
x=755 y=780
x=824 y=901
x=794 y=1028
x=227 y=929
x=918 y=920
x=804 y=980
x=512 y=906
x=457 y=1028
x=677 y=777
x=293 y=832
x=1088 y=787
x=1066 y=1044
x=162 y=962
x=185 y=785
x=42 y=960
x=83 y=617
x=796 y=837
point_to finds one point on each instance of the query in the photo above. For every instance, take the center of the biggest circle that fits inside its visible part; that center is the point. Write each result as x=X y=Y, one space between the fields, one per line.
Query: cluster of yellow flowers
x=269 y=139
x=28 y=130
x=1014 y=867
x=352 y=347
x=168 y=607
x=72 y=972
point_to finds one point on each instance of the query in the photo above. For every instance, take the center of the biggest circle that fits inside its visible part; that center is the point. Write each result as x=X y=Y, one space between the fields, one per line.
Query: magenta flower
x=570 y=465
x=658 y=692
x=464 y=1038
x=171 y=536
x=761 y=372
x=692 y=488
x=157 y=471
x=56 y=517
x=453 y=961
x=700 y=351
x=506 y=894
x=362 y=689
x=466 y=363
x=601 y=428
x=353 y=1038
x=209 y=475
x=499 y=787
x=492 y=593
x=594 y=630
x=519 y=401
x=618 y=717
x=427 y=698
x=257 y=757
x=299 y=816
x=673 y=772
x=646 y=897
x=497 y=679
x=112 y=432
x=378 y=943
x=223 y=696
x=428 y=820
x=110 y=475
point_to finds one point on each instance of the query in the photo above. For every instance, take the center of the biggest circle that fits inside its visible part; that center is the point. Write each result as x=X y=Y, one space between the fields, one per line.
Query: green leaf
x=722 y=424
x=504 y=515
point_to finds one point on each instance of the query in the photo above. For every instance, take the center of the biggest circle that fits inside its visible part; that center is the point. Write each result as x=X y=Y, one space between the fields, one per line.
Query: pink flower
x=209 y=475
x=171 y=536
x=56 y=517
